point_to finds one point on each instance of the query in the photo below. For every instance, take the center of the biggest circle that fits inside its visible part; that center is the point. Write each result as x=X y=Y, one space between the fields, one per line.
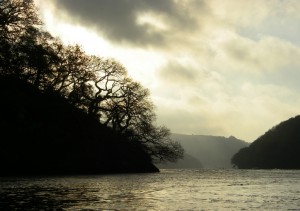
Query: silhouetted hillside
x=44 y=134
x=91 y=117
x=277 y=148
x=211 y=151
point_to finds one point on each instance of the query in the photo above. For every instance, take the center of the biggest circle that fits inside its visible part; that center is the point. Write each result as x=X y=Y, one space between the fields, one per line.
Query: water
x=168 y=190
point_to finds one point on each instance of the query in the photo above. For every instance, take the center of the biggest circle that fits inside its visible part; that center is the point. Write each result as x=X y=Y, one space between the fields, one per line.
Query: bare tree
x=101 y=87
x=16 y=16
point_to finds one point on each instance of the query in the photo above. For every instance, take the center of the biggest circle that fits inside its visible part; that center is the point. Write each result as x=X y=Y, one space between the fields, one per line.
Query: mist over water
x=168 y=190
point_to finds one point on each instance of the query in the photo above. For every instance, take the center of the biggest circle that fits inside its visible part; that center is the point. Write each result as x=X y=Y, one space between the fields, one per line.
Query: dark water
x=168 y=190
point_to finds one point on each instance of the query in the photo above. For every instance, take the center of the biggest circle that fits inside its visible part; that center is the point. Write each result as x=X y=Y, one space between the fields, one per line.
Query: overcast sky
x=213 y=67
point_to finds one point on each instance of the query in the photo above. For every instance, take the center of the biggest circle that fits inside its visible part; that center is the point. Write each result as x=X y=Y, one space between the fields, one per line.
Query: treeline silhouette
x=68 y=111
x=278 y=148
x=41 y=133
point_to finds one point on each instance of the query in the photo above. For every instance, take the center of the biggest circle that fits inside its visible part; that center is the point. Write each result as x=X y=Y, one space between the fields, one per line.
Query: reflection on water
x=72 y=193
x=168 y=190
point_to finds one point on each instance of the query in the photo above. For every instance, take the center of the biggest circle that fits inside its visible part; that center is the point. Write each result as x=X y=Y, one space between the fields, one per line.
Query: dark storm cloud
x=117 y=19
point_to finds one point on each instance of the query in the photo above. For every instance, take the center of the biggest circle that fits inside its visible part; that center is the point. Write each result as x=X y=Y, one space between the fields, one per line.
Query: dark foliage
x=277 y=148
x=65 y=89
x=44 y=134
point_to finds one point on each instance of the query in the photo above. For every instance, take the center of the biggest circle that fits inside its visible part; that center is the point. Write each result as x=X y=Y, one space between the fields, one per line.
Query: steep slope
x=277 y=148
x=44 y=134
x=211 y=151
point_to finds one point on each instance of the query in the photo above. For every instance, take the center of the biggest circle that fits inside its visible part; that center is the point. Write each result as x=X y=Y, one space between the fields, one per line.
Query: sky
x=213 y=67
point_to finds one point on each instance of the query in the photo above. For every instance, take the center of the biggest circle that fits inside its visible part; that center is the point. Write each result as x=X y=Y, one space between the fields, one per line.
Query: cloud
x=213 y=66
x=241 y=13
x=267 y=54
x=177 y=73
x=250 y=112
x=124 y=21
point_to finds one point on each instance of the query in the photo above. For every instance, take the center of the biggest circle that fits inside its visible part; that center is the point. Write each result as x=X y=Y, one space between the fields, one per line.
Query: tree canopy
x=278 y=148
x=98 y=86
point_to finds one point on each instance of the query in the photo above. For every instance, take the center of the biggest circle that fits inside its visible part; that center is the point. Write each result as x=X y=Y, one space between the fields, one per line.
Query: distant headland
x=278 y=148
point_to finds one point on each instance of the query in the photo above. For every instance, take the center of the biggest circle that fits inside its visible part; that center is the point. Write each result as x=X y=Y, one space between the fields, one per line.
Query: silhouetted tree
x=100 y=87
x=125 y=105
x=17 y=17
x=157 y=142
x=73 y=74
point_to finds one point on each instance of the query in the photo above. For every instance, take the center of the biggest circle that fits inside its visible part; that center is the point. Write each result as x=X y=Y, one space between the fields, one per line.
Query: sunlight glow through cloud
x=153 y=20
x=213 y=67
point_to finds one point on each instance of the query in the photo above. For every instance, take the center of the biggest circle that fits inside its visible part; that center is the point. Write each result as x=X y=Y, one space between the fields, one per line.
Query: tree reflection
x=44 y=198
x=77 y=193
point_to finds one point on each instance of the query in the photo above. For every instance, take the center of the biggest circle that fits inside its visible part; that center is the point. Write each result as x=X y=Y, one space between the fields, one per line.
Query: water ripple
x=168 y=190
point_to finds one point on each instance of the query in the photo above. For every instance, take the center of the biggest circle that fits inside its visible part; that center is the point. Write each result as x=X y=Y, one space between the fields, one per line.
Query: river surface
x=167 y=190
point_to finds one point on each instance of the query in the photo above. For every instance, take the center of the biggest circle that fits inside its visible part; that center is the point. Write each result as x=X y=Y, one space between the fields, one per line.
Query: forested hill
x=44 y=134
x=208 y=151
x=65 y=111
x=278 y=148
